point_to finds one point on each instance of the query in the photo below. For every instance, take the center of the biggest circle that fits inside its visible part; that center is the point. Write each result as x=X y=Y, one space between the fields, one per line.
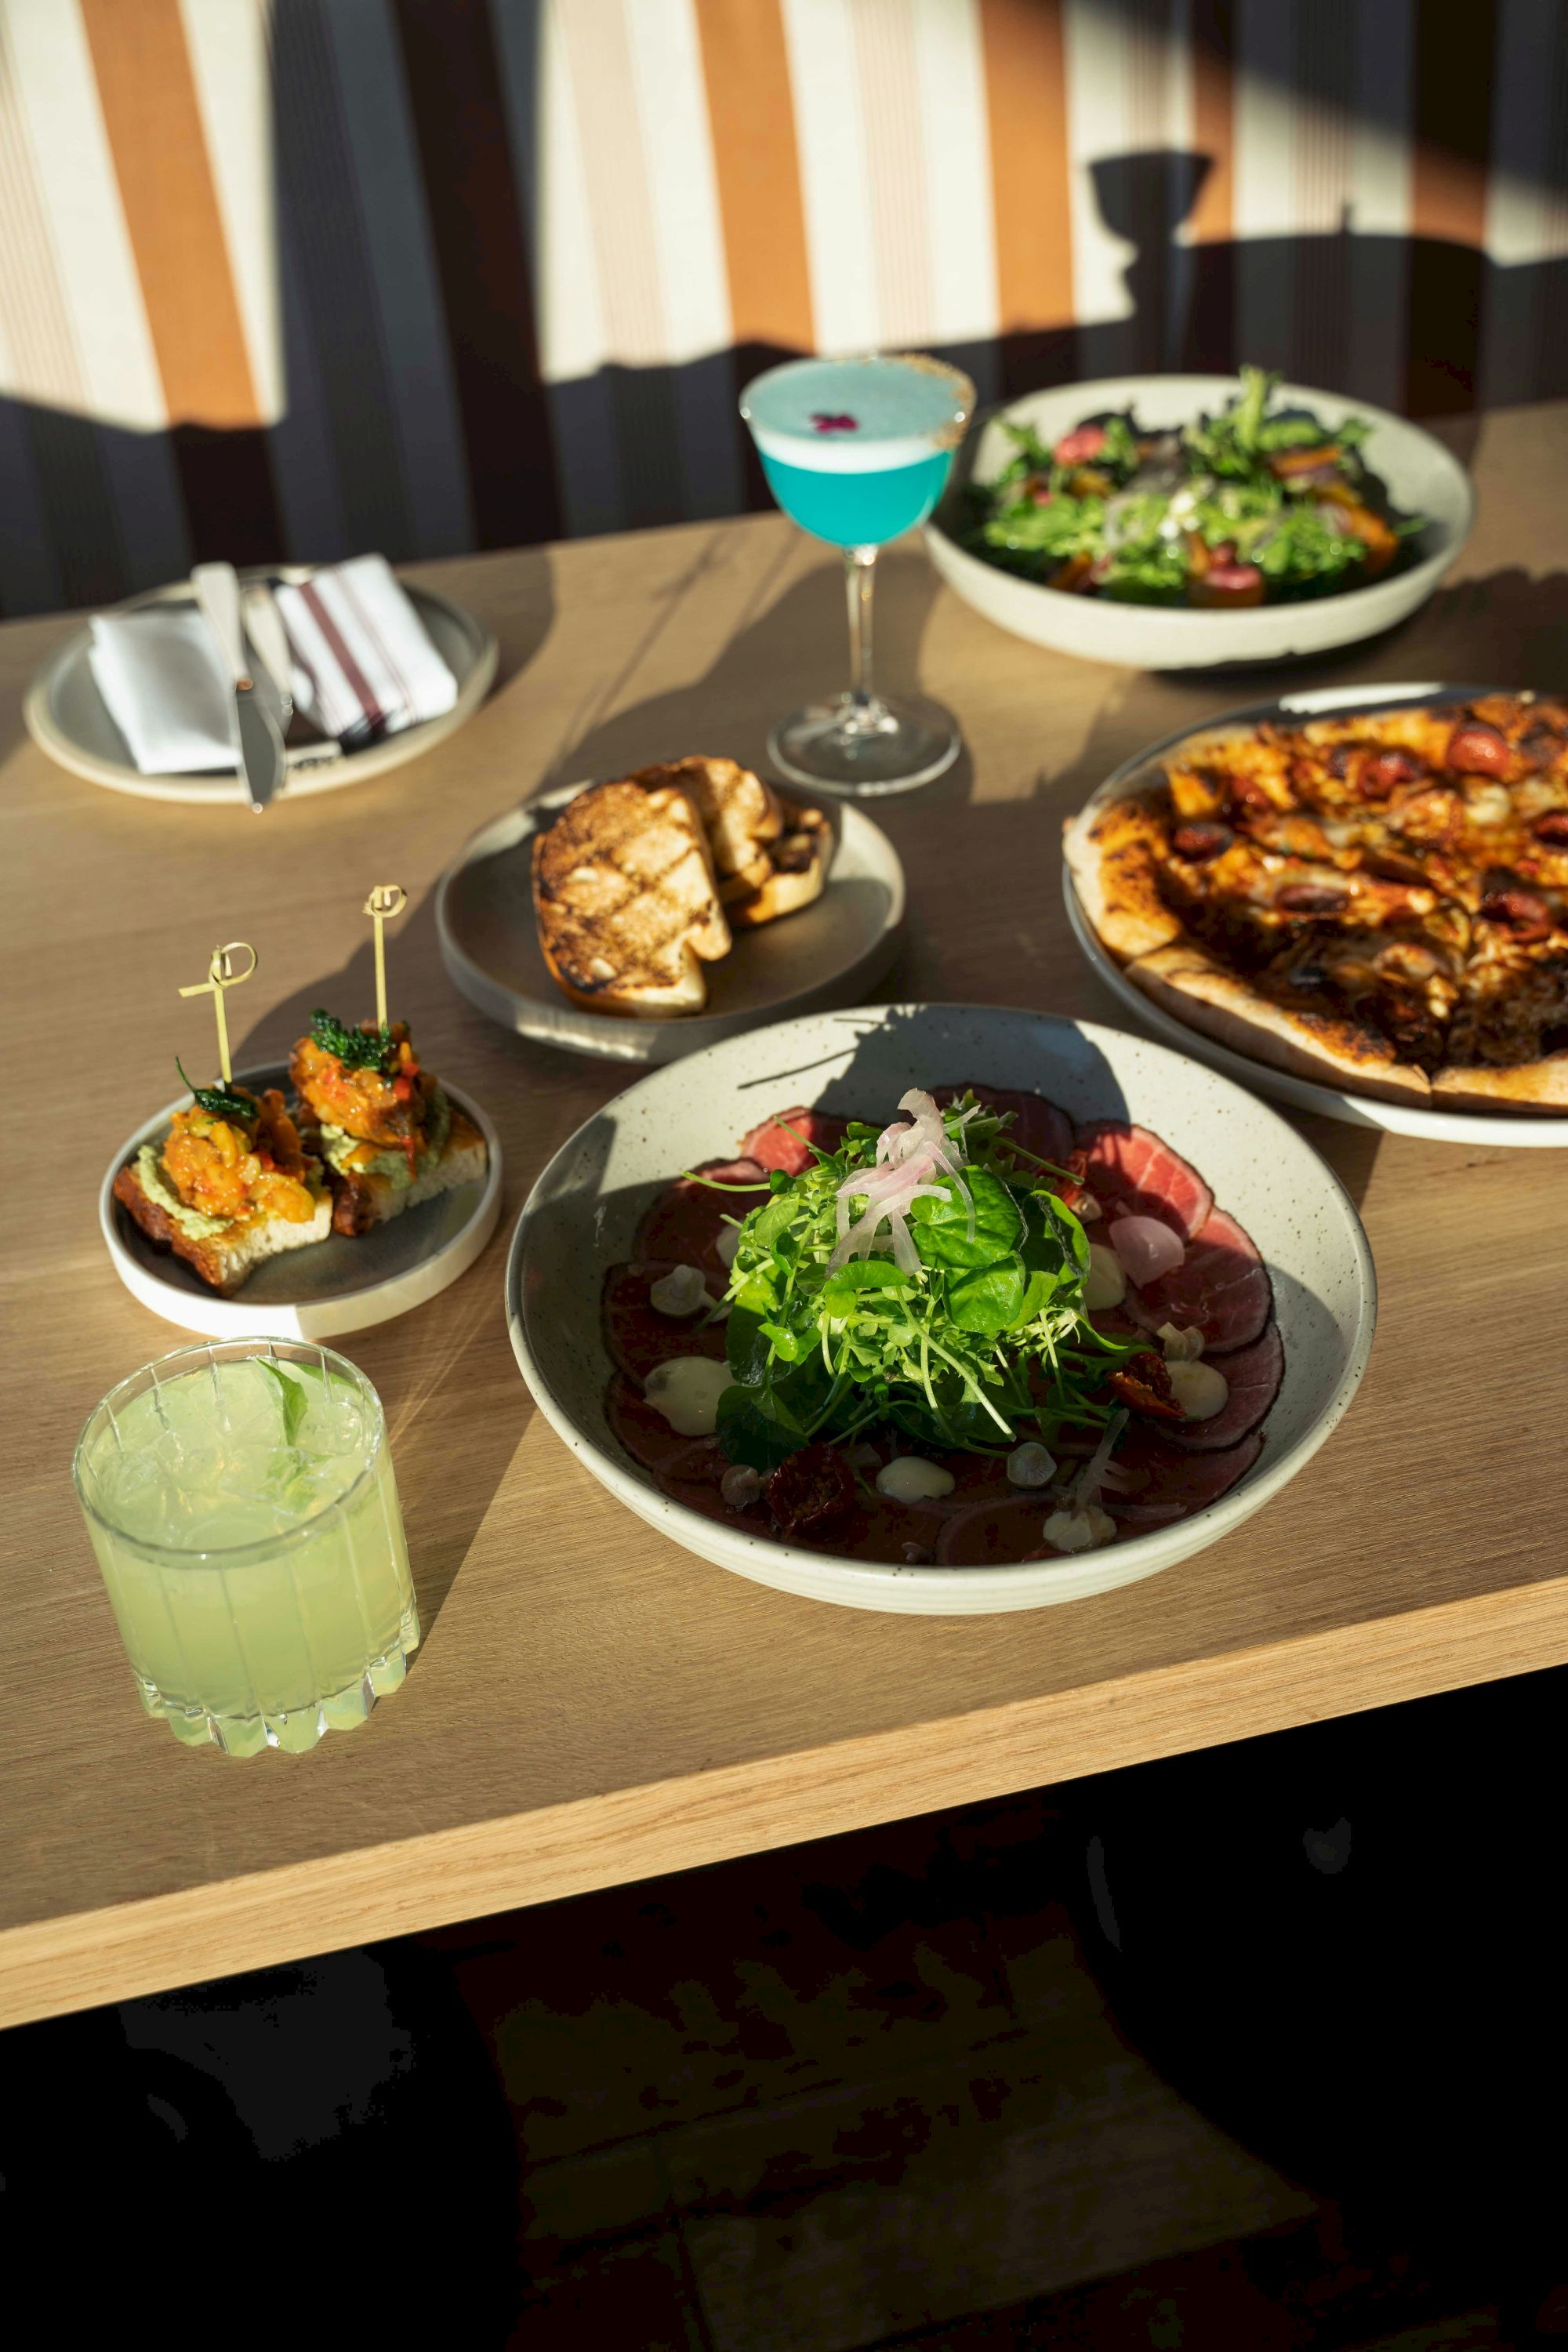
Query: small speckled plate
x=328 y=1288
x=584 y=1209
x=831 y=952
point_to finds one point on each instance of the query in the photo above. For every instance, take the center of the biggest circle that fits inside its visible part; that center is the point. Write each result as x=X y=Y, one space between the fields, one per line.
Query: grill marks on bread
x=627 y=900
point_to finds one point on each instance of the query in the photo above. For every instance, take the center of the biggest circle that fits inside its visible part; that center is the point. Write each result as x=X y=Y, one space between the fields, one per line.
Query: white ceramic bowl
x=584 y=1209
x=1421 y=474
x=1520 y=1129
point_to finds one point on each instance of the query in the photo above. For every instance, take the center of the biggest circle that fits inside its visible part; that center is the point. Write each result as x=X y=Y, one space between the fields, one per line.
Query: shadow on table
x=451 y=1456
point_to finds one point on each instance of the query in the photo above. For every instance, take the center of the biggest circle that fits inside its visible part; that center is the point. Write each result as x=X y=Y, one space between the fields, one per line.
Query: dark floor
x=867 y=2093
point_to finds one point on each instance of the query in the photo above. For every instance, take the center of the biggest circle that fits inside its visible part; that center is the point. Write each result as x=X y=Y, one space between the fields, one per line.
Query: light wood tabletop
x=591 y=1704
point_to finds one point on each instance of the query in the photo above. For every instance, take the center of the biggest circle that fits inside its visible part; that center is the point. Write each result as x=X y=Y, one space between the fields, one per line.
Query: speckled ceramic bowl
x=584 y=1212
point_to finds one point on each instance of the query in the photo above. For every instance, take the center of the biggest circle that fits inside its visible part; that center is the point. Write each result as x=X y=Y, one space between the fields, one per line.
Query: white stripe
x=960 y=222
x=825 y=85
x=384 y=159
x=117 y=376
x=683 y=188
x=542 y=121
x=1263 y=183
x=227 y=41
x=683 y=194
x=1129 y=88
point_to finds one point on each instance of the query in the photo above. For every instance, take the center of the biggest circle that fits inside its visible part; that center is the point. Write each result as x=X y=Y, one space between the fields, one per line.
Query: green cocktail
x=241 y=1499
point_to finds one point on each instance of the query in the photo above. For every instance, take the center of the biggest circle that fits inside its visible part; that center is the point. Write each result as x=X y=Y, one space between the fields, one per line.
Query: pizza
x=1376 y=901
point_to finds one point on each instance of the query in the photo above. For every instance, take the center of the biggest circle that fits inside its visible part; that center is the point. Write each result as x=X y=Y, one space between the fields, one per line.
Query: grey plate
x=328 y=1288
x=829 y=953
x=584 y=1212
x=1499 y=1126
x=65 y=717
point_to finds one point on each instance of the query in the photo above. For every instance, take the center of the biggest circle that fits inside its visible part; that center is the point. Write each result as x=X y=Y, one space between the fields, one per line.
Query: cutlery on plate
x=257 y=737
x=270 y=643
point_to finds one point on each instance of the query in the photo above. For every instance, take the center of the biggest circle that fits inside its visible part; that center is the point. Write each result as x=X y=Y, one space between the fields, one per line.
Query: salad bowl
x=1421 y=477
x=584 y=1213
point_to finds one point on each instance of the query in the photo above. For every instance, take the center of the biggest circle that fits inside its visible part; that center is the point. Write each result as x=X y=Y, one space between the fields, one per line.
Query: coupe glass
x=857 y=451
x=240 y=1499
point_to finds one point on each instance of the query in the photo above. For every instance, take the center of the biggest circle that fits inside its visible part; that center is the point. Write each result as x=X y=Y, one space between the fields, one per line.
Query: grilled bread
x=223 y=1252
x=627 y=902
x=370 y=1185
x=740 y=814
x=795 y=871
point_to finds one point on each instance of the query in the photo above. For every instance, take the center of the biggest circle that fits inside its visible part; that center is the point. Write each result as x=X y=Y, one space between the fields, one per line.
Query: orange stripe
x=745 y=68
x=1212 y=221
x=1031 y=184
x=148 y=99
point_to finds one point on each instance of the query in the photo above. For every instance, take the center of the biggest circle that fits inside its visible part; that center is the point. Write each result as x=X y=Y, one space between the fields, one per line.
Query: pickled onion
x=1147 y=1249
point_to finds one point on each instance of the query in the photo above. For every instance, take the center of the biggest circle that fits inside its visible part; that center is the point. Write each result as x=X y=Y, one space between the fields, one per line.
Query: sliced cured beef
x=1167 y=1482
x=1254 y=1373
x=774 y=1145
x=650 y=1439
x=1222 y=1287
x=1038 y=1125
x=639 y=1337
x=686 y=1222
x=997 y=1534
x=1131 y=1171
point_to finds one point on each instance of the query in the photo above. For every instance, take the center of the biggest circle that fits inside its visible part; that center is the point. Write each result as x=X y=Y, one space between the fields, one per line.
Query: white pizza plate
x=584 y=1213
x=1422 y=478
x=327 y=1288
x=66 y=715
x=1478 y=1126
x=832 y=953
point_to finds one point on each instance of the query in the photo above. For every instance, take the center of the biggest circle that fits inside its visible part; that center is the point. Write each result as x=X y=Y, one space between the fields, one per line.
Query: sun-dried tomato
x=1144 y=1383
x=1385 y=771
x=810 y=1490
x=1552 y=828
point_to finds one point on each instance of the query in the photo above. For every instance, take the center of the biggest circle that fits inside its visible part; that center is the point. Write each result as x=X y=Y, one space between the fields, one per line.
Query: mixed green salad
x=927 y=1277
x=1252 y=506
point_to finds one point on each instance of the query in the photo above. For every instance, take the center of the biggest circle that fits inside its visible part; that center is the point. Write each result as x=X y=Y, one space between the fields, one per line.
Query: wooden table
x=592 y=1703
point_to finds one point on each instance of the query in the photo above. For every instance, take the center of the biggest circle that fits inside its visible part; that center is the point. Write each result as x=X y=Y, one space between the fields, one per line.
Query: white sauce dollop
x=687 y=1392
x=908 y=1478
x=1030 y=1464
x=1105 y=1284
x=1080 y=1530
x=681 y=1291
x=1198 y=1389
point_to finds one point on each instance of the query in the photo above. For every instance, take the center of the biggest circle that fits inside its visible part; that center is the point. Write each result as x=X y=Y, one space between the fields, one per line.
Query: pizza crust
x=1188 y=982
x=1541 y=1087
x=1113 y=855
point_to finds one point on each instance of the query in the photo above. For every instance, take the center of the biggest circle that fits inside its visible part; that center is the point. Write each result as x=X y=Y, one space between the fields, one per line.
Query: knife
x=254 y=730
x=270 y=643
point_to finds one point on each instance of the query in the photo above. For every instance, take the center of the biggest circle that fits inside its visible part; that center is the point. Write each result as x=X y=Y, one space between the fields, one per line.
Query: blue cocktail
x=857 y=451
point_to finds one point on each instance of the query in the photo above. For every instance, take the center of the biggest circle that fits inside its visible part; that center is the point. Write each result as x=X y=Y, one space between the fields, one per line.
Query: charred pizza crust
x=1375 y=902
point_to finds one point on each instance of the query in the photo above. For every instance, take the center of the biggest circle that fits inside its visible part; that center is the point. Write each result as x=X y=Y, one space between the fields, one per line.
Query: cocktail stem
x=859 y=578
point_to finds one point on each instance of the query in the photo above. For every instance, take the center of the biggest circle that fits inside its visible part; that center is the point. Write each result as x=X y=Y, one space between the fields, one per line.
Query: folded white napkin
x=371 y=666
x=164 y=685
x=363 y=665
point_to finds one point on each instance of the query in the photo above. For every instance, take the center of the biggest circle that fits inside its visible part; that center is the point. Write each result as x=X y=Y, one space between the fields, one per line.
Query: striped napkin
x=364 y=663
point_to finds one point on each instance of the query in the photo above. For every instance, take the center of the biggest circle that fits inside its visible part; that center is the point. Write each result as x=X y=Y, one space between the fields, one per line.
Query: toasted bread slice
x=627 y=901
x=797 y=864
x=740 y=814
x=226 y=1257
x=363 y=1197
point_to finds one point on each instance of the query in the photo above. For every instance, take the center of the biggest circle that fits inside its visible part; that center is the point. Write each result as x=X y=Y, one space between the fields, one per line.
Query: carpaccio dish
x=1106 y=1359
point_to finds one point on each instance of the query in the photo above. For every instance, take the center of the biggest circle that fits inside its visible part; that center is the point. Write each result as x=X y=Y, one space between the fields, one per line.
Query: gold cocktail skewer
x=387 y=899
x=221 y=976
